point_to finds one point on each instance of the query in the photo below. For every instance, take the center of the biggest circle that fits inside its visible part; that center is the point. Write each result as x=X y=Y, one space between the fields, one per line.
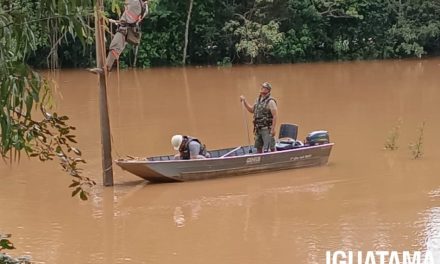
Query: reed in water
x=416 y=147
x=393 y=136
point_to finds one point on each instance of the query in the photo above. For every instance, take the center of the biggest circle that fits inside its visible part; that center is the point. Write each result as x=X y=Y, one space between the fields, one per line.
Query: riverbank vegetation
x=269 y=31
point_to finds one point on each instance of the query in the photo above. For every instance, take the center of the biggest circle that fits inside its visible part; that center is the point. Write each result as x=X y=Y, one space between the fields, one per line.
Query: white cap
x=176 y=140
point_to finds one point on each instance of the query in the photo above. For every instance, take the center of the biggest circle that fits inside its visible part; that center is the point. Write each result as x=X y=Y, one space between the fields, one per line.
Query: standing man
x=265 y=118
x=128 y=31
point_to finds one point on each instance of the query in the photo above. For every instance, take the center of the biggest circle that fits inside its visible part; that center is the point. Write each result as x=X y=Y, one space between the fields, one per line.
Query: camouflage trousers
x=264 y=140
x=123 y=35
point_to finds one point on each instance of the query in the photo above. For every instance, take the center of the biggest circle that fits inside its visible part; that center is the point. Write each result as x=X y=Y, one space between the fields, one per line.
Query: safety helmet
x=176 y=140
x=266 y=85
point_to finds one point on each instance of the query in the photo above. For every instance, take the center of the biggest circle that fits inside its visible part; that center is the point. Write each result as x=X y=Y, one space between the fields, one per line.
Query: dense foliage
x=277 y=31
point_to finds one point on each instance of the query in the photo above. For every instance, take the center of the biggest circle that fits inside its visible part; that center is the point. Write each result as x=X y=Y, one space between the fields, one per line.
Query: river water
x=365 y=199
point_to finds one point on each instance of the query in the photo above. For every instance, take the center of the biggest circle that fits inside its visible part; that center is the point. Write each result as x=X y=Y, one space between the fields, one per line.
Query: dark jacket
x=184 y=147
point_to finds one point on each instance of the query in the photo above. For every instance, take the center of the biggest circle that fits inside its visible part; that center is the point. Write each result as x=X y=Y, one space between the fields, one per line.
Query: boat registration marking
x=253 y=160
x=301 y=157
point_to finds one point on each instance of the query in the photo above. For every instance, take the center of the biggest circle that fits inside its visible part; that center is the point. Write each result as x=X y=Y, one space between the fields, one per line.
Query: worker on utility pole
x=129 y=30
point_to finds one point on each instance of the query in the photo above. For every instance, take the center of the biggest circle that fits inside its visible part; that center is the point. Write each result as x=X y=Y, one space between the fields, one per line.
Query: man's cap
x=266 y=85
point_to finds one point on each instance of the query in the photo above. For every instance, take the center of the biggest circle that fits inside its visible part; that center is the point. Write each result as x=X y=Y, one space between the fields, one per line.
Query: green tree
x=415 y=27
x=163 y=35
x=305 y=33
x=256 y=36
x=257 y=31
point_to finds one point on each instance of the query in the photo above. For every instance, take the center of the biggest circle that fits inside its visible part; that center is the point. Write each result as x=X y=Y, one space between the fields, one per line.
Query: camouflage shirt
x=262 y=113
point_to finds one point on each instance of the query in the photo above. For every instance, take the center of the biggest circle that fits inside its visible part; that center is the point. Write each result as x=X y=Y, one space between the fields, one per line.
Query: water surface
x=366 y=198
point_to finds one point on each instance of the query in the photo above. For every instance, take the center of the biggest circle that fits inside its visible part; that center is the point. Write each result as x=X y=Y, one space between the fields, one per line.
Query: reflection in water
x=179 y=218
x=432 y=233
x=318 y=190
x=189 y=104
x=364 y=199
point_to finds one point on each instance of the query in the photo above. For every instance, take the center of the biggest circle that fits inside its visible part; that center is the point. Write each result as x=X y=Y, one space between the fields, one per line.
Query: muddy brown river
x=365 y=199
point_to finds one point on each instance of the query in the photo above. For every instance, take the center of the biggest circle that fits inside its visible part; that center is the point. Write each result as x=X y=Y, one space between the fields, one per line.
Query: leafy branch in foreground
x=393 y=136
x=47 y=139
x=52 y=137
x=22 y=89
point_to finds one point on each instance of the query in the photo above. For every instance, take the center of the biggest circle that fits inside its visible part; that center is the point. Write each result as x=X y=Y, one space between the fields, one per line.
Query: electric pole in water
x=103 y=109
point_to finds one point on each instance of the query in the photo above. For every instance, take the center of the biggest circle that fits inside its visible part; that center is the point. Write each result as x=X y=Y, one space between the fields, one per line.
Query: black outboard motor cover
x=317 y=138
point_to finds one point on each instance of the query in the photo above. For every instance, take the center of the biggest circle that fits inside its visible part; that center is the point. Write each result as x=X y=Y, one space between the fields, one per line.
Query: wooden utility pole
x=103 y=109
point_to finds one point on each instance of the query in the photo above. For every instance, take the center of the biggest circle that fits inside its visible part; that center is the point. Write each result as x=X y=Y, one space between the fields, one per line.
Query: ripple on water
x=432 y=232
x=434 y=194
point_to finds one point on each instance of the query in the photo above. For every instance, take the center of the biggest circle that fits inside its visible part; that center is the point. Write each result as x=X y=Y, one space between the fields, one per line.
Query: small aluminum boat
x=225 y=162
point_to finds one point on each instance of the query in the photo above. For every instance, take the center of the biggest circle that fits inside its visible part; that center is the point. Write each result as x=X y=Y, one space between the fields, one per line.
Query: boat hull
x=201 y=169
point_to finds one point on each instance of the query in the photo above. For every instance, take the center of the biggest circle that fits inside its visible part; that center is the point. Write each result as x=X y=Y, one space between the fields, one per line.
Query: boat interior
x=218 y=153
x=287 y=139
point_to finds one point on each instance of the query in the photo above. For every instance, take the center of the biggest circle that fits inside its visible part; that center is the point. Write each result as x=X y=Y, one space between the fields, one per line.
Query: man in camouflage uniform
x=128 y=30
x=265 y=118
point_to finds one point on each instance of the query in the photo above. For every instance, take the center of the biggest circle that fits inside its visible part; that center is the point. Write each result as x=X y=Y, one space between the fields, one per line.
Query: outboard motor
x=317 y=138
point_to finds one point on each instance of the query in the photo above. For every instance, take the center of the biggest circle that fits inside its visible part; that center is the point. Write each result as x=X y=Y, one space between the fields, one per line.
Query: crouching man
x=188 y=147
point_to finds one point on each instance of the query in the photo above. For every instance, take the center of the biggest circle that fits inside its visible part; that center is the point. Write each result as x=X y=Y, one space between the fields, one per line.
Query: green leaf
x=6 y=244
x=74 y=184
x=75 y=192
x=71 y=138
x=77 y=151
x=83 y=196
